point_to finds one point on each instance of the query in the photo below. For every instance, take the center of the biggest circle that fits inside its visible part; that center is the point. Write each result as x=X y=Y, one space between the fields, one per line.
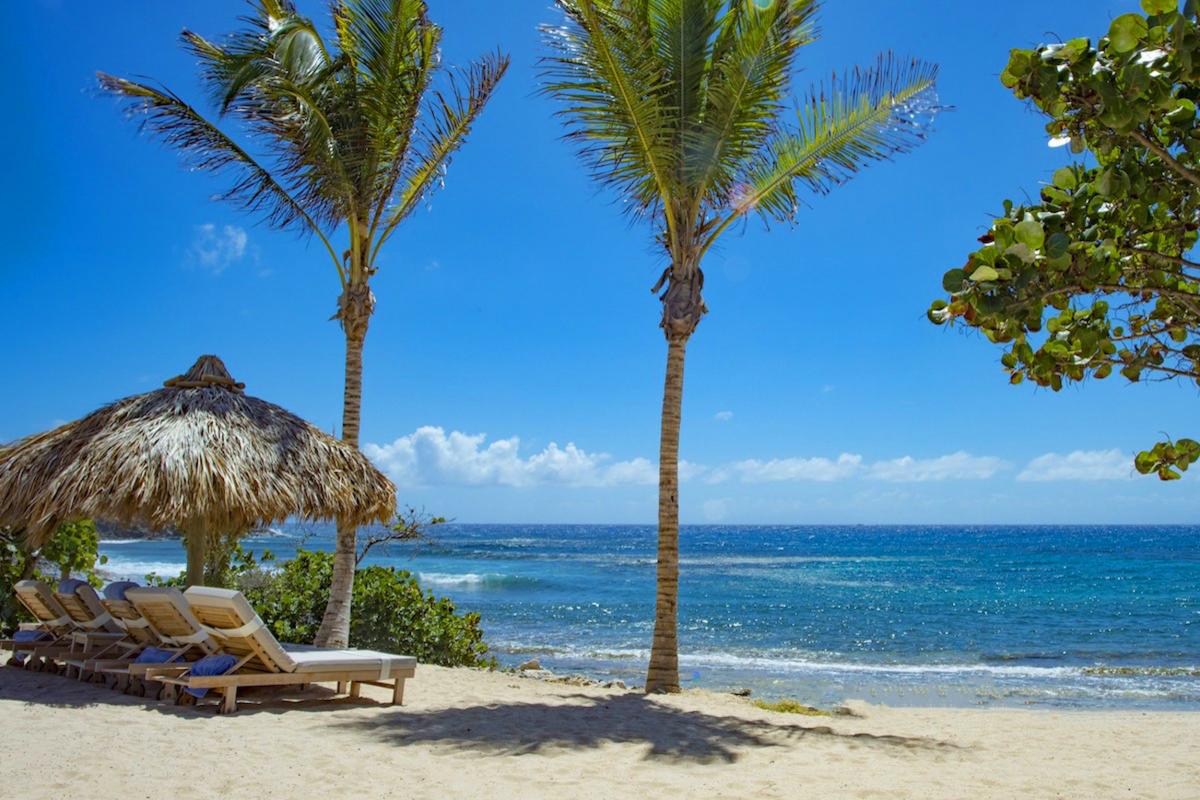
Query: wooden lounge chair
x=112 y=666
x=52 y=620
x=262 y=661
x=162 y=614
x=97 y=635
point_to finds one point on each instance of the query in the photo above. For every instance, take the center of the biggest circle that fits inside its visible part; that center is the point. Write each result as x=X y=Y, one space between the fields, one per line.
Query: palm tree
x=678 y=105
x=352 y=135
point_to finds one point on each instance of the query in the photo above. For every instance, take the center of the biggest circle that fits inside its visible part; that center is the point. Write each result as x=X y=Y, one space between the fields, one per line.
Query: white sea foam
x=789 y=665
x=473 y=579
x=127 y=569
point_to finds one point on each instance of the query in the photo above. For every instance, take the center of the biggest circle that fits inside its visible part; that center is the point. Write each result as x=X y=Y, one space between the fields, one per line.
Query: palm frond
x=335 y=130
x=872 y=115
x=394 y=48
x=606 y=73
x=752 y=63
x=274 y=75
x=178 y=125
x=684 y=33
x=450 y=115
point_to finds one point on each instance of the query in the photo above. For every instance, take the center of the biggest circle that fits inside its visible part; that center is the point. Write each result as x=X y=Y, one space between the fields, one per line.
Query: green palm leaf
x=873 y=115
x=450 y=114
x=607 y=74
x=207 y=148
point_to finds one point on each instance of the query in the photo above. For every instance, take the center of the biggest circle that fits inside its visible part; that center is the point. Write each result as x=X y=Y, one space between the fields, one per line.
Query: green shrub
x=72 y=550
x=390 y=612
x=789 y=706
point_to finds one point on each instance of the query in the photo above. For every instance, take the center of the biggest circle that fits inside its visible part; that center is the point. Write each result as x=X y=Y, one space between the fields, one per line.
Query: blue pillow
x=69 y=585
x=28 y=636
x=209 y=666
x=153 y=655
x=117 y=589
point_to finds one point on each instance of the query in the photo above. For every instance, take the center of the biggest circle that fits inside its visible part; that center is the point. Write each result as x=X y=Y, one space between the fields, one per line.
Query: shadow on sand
x=583 y=721
x=514 y=728
x=55 y=691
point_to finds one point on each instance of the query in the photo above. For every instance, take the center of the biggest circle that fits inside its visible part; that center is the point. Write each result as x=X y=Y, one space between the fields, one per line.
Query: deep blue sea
x=1052 y=616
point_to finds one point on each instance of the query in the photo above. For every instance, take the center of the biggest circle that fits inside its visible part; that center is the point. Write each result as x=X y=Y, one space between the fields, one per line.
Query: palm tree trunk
x=356 y=306
x=194 y=540
x=663 y=674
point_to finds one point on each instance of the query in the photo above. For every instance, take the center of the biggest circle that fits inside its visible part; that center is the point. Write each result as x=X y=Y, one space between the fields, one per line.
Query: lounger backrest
x=170 y=617
x=136 y=626
x=127 y=617
x=83 y=604
x=232 y=621
x=39 y=600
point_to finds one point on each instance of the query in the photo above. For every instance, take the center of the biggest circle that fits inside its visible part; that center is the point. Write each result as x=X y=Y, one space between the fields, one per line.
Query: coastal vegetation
x=1098 y=275
x=789 y=706
x=391 y=613
x=71 y=551
x=681 y=108
x=355 y=134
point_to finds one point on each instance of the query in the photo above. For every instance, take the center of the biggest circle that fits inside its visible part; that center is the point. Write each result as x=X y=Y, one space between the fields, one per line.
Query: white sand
x=469 y=734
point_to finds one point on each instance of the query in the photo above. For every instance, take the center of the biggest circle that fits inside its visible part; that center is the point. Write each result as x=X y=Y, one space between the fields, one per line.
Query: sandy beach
x=467 y=733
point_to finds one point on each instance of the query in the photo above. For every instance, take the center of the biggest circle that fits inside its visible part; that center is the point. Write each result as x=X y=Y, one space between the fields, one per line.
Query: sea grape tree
x=1098 y=275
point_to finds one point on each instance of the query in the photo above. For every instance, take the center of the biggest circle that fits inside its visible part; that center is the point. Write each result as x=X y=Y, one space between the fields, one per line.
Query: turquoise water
x=908 y=615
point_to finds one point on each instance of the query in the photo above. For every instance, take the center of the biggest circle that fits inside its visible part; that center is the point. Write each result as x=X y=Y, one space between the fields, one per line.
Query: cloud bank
x=1080 y=465
x=432 y=457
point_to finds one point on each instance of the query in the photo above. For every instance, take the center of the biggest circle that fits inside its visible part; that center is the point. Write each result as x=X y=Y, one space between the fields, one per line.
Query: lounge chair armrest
x=160 y=670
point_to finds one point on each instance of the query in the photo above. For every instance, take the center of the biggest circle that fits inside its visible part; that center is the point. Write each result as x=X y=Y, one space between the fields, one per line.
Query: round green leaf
x=1065 y=178
x=1160 y=6
x=1031 y=234
x=953 y=281
x=1183 y=113
x=984 y=273
x=1127 y=31
x=1057 y=244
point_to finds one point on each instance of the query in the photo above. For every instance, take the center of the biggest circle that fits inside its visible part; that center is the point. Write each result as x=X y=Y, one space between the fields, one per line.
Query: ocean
x=963 y=616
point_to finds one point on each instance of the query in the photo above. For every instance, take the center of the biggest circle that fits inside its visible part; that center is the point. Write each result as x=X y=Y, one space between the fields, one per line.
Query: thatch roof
x=198 y=455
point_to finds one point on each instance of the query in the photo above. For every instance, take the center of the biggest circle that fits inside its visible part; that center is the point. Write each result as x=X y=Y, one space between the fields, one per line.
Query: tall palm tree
x=679 y=105
x=352 y=134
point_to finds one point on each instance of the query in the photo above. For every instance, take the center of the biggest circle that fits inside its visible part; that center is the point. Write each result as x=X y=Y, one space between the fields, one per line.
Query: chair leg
x=341 y=687
x=229 y=701
x=355 y=689
x=398 y=692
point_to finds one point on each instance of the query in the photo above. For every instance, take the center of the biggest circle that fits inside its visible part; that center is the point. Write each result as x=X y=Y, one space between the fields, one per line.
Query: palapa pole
x=194 y=538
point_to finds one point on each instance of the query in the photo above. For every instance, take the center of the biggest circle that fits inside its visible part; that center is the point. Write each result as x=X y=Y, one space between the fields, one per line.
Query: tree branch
x=1166 y=157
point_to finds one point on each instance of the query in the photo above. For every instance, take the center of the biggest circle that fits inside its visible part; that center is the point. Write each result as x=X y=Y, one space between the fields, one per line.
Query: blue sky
x=514 y=366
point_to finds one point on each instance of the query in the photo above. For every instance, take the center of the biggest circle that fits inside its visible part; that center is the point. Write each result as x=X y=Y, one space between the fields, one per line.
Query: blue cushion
x=117 y=589
x=69 y=585
x=209 y=666
x=28 y=636
x=152 y=655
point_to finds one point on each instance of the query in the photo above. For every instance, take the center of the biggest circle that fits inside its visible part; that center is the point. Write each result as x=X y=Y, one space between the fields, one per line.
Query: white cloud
x=431 y=457
x=1080 y=465
x=723 y=416
x=796 y=469
x=214 y=249
x=956 y=466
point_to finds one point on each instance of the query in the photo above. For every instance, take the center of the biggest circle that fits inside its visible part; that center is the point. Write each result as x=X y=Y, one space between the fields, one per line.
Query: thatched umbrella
x=199 y=456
